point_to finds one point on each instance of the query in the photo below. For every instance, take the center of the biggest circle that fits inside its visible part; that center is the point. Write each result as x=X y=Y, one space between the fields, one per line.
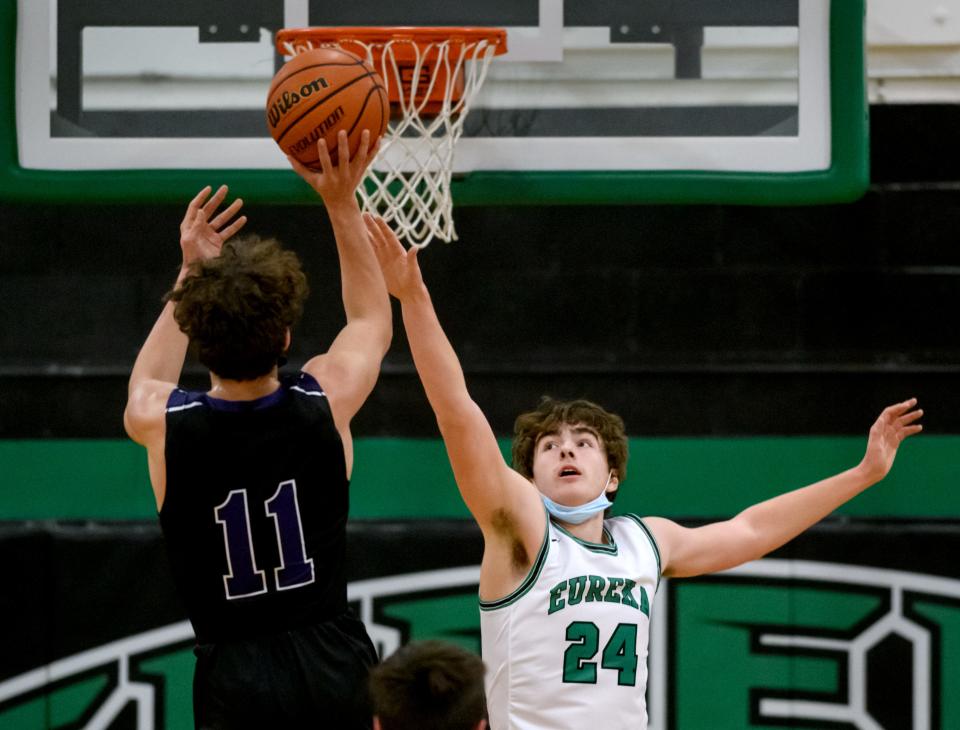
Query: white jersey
x=568 y=647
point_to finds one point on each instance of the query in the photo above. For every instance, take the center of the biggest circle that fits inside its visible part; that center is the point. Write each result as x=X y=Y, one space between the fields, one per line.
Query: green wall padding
x=675 y=477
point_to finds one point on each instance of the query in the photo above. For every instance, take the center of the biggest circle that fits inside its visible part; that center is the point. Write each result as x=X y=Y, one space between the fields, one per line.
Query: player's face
x=570 y=465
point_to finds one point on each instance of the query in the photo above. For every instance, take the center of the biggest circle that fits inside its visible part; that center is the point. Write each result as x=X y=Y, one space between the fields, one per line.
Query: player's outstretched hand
x=338 y=183
x=896 y=423
x=202 y=238
x=400 y=268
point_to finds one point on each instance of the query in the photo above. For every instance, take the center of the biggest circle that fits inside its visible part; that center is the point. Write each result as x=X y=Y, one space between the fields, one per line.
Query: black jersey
x=255 y=510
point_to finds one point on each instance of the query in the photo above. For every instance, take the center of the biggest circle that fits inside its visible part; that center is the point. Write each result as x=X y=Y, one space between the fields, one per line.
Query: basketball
x=319 y=92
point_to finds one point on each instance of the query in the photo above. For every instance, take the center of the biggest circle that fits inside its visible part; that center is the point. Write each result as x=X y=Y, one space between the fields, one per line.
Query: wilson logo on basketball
x=289 y=99
x=310 y=140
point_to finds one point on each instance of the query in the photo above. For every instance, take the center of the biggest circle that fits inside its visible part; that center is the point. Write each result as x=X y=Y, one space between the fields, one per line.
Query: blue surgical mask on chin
x=582 y=512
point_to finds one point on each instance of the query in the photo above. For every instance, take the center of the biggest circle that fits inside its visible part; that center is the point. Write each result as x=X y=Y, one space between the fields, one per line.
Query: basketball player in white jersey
x=565 y=594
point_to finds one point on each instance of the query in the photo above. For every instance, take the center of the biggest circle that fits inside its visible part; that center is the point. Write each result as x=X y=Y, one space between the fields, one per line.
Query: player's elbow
x=132 y=416
x=377 y=334
x=129 y=424
x=752 y=537
x=457 y=413
x=384 y=337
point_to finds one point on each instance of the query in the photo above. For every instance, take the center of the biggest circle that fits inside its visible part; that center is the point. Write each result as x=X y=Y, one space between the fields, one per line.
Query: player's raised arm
x=766 y=526
x=500 y=499
x=160 y=361
x=349 y=370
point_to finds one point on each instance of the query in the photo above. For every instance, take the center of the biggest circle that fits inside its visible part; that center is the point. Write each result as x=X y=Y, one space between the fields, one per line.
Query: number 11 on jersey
x=243 y=578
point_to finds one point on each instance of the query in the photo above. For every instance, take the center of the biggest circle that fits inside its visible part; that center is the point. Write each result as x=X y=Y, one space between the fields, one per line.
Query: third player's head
x=429 y=685
x=571 y=450
x=238 y=308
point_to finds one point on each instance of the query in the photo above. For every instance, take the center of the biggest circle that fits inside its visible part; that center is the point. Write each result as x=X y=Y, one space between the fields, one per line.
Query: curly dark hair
x=236 y=308
x=551 y=415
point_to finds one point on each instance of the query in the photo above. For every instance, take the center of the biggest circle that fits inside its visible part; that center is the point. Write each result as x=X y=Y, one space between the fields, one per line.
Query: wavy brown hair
x=551 y=415
x=429 y=685
x=236 y=308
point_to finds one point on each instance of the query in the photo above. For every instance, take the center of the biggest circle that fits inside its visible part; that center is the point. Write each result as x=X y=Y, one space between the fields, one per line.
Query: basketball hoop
x=432 y=76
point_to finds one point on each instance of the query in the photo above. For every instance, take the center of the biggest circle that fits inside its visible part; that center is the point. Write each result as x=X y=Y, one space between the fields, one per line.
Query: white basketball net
x=408 y=182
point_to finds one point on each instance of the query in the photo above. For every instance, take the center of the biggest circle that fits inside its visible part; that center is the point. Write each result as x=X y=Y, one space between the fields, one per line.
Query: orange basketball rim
x=421 y=53
x=431 y=76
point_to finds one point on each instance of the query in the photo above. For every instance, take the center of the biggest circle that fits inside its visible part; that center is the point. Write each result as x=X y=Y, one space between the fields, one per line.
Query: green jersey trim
x=528 y=582
x=607 y=548
x=653 y=543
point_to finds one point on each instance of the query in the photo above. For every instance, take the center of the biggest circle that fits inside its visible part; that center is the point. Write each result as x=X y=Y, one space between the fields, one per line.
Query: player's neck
x=590 y=530
x=227 y=389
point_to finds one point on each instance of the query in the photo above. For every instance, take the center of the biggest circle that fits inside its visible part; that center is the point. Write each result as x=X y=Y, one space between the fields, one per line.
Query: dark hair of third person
x=429 y=685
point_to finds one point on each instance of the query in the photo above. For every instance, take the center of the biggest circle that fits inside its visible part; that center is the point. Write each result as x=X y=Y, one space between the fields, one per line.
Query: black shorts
x=309 y=677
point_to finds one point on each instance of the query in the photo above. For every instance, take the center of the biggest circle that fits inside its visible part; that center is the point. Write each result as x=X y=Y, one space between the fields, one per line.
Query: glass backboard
x=613 y=101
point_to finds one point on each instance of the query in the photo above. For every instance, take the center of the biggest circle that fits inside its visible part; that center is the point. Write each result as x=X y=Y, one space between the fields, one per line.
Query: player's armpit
x=513 y=536
x=347 y=379
x=506 y=506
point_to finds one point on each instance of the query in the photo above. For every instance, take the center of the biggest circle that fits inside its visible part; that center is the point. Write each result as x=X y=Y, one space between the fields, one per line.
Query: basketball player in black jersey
x=251 y=476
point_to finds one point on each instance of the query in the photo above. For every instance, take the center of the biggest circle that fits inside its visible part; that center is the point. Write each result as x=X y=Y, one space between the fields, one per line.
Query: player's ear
x=614 y=484
x=286 y=340
x=376 y=723
x=482 y=725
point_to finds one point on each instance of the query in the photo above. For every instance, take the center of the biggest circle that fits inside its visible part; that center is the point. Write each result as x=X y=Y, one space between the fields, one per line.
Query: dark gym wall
x=693 y=322
x=699 y=320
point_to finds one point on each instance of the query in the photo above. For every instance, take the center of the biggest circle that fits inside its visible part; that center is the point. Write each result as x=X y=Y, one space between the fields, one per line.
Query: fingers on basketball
x=343 y=149
x=374 y=148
